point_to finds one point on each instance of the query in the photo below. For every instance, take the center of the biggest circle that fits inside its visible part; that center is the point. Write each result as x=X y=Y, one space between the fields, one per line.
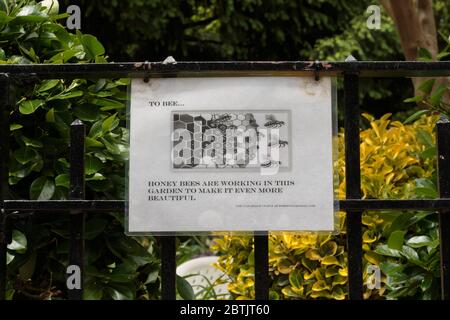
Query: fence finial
x=77 y=122
x=147 y=67
x=169 y=60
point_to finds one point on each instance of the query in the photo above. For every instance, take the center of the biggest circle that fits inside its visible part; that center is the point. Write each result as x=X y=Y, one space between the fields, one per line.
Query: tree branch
x=428 y=26
x=387 y=6
x=406 y=20
x=199 y=23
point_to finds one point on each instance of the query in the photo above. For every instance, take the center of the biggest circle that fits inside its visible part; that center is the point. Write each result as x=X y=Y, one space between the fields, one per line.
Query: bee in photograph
x=272 y=122
x=219 y=119
x=279 y=144
x=271 y=164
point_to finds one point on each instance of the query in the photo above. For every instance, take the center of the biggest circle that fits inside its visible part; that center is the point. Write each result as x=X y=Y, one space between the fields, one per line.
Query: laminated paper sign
x=230 y=154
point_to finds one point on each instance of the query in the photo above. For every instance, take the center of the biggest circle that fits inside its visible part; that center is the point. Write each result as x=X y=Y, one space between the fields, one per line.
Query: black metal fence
x=78 y=207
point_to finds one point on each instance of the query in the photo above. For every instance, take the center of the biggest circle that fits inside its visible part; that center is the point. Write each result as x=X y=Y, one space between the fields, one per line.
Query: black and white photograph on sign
x=230 y=139
x=231 y=154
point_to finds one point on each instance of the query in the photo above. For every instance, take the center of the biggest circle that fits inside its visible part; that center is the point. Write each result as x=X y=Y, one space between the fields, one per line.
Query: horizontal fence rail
x=105 y=206
x=78 y=207
x=298 y=68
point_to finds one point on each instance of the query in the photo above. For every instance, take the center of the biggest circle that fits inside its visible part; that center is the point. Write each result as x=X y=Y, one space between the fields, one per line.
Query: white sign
x=230 y=154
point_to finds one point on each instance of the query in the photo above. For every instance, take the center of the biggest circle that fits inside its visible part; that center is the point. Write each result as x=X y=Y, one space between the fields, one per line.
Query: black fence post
x=262 y=281
x=3 y=251
x=353 y=185
x=77 y=217
x=443 y=147
x=168 y=267
x=6 y=101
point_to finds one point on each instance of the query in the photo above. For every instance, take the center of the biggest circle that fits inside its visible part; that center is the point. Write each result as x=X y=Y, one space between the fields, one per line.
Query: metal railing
x=78 y=207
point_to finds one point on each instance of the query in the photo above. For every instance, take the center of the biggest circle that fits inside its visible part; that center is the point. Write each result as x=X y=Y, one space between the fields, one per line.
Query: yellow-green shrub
x=313 y=265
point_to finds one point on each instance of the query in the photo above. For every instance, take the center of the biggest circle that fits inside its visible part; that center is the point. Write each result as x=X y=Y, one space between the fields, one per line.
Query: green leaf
x=95 y=227
x=185 y=289
x=414 y=99
x=4 y=18
x=427 y=282
x=425 y=183
x=92 y=143
x=93 y=291
x=437 y=95
x=442 y=55
x=404 y=220
x=251 y=258
x=427 y=86
x=47 y=85
x=50 y=116
x=29 y=14
x=425 y=189
x=110 y=146
x=386 y=251
x=65 y=56
x=60 y=16
x=321 y=285
x=25 y=155
x=391 y=268
x=31 y=142
x=288 y=292
x=96 y=130
x=87 y=112
x=27 y=269
x=100 y=185
x=67 y=95
x=15 y=126
x=96 y=177
x=92 y=165
x=429 y=153
x=415 y=116
x=19 y=242
x=108 y=104
x=425 y=138
x=42 y=189
x=19 y=171
x=411 y=254
x=107 y=125
x=419 y=241
x=329 y=260
x=152 y=277
x=92 y=46
x=425 y=55
x=121 y=291
x=99 y=85
x=30 y=106
x=123 y=81
x=395 y=240
x=9 y=258
x=62 y=180
x=296 y=279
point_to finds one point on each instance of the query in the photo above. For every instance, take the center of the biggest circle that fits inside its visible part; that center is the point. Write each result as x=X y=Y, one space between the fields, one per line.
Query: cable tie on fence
x=146 y=67
x=317 y=68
